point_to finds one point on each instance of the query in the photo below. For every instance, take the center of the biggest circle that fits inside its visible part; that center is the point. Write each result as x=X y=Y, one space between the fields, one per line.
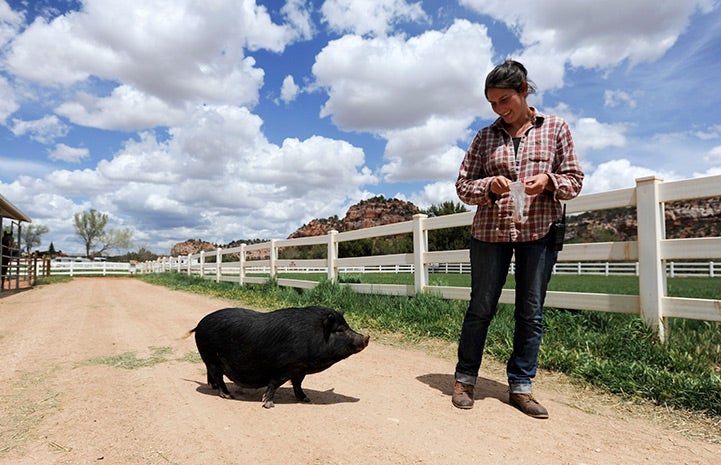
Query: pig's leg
x=215 y=380
x=269 y=393
x=223 y=389
x=299 y=394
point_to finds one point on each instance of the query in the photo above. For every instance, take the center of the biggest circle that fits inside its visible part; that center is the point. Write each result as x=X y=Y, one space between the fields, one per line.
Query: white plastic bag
x=518 y=196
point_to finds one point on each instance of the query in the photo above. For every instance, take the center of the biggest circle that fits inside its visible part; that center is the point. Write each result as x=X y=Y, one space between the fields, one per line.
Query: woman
x=537 y=150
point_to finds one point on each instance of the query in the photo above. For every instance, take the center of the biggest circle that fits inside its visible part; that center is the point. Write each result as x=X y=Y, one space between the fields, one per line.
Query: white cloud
x=8 y=101
x=375 y=18
x=84 y=183
x=218 y=177
x=176 y=52
x=10 y=22
x=142 y=161
x=69 y=154
x=716 y=171
x=126 y=108
x=595 y=34
x=591 y=134
x=713 y=156
x=289 y=90
x=614 y=98
x=619 y=174
x=713 y=132
x=416 y=93
x=435 y=194
x=425 y=152
x=16 y=167
x=384 y=84
x=44 y=130
x=299 y=16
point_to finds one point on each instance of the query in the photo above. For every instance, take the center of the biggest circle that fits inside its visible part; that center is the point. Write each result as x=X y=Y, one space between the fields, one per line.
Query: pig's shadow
x=284 y=394
x=484 y=387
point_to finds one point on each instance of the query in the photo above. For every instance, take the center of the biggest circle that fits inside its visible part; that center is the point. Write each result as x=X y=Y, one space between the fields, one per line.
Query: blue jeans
x=489 y=269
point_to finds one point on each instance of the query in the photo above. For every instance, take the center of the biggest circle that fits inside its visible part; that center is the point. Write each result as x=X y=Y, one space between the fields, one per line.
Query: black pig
x=256 y=349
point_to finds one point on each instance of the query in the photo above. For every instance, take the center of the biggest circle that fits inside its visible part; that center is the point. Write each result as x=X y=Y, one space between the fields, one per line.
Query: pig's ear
x=328 y=324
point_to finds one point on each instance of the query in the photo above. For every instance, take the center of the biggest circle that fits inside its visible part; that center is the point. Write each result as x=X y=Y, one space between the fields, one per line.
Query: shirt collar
x=537 y=116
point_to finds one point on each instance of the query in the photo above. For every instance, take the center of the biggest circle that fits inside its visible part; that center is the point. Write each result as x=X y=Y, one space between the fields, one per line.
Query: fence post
x=332 y=255
x=202 y=263
x=273 y=258
x=420 y=247
x=241 y=262
x=218 y=262
x=652 y=269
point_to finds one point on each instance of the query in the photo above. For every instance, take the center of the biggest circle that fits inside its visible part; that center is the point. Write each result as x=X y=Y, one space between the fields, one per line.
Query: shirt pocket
x=540 y=159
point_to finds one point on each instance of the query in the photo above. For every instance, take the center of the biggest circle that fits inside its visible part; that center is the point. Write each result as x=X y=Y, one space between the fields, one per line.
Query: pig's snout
x=361 y=343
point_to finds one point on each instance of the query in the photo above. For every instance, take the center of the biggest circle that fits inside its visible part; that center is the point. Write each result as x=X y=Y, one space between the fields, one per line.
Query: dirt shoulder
x=96 y=371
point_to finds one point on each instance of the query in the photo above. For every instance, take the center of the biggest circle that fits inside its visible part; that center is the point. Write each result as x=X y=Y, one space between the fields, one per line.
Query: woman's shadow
x=484 y=387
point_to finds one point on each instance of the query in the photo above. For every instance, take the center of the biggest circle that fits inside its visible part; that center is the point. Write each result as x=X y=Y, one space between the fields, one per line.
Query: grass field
x=702 y=288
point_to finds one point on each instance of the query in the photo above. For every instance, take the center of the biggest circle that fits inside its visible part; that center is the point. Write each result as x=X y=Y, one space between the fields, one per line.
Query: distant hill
x=376 y=211
x=696 y=218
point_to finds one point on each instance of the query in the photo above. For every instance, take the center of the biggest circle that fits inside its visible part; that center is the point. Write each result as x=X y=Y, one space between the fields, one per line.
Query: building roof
x=8 y=210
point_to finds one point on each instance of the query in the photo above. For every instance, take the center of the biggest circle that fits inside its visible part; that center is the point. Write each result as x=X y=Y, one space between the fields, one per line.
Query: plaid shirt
x=546 y=148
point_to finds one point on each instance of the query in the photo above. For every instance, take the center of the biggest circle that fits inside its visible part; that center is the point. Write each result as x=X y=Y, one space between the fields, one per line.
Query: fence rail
x=705 y=269
x=651 y=255
x=73 y=268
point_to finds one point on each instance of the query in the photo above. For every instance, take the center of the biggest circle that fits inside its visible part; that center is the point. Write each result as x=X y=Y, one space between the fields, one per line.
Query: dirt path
x=66 y=398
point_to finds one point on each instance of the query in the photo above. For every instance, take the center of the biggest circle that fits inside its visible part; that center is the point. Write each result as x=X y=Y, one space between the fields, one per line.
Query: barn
x=11 y=221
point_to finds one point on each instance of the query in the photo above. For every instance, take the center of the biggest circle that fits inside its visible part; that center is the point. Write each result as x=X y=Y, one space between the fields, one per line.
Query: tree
x=450 y=238
x=31 y=235
x=446 y=208
x=90 y=226
x=142 y=255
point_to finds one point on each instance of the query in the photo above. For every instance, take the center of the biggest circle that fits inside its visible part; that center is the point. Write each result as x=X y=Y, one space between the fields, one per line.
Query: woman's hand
x=499 y=185
x=537 y=184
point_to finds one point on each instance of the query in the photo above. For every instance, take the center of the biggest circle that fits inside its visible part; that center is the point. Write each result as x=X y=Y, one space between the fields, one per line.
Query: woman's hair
x=509 y=75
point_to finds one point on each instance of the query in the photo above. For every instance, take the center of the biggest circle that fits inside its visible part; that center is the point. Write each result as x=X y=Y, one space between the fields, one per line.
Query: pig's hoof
x=268 y=404
x=226 y=395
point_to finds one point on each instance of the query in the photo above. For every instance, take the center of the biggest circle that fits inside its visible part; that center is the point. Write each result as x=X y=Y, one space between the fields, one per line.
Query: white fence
x=86 y=268
x=652 y=251
x=702 y=269
x=707 y=269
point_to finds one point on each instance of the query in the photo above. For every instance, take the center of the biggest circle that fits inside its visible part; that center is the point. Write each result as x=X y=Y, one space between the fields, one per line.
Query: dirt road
x=94 y=372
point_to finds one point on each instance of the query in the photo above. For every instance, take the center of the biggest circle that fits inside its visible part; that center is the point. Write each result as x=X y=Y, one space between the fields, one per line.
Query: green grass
x=131 y=361
x=53 y=280
x=614 y=352
x=702 y=288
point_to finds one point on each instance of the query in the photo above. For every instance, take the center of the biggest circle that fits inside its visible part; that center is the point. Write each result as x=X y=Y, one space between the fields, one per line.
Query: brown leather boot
x=528 y=404
x=462 y=395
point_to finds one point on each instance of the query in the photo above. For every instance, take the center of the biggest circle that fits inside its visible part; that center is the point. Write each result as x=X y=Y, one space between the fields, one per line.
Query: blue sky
x=235 y=119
